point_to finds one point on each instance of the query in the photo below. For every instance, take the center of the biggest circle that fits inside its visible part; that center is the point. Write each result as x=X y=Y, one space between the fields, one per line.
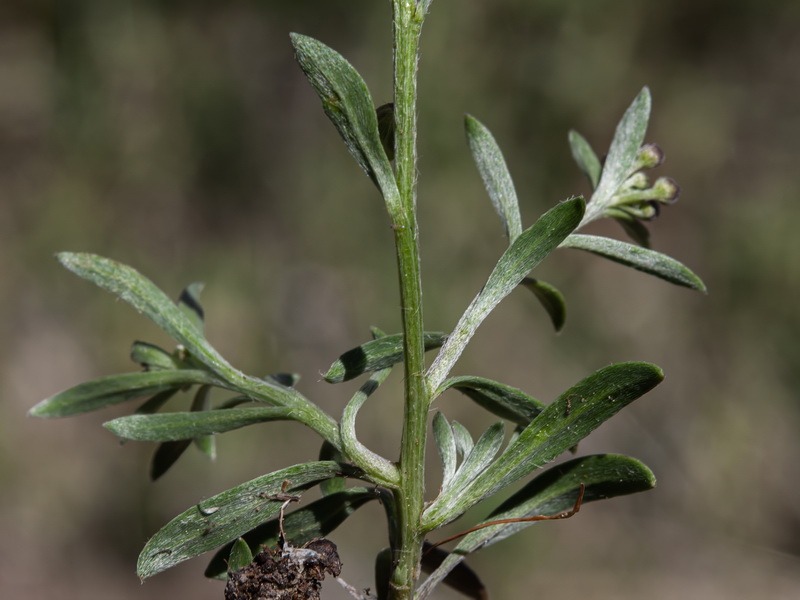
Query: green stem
x=410 y=497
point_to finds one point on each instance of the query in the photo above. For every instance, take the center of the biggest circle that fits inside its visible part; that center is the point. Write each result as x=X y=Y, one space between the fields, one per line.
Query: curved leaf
x=585 y=157
x=227 y=516
x=569 y=419
x=347 y=102
x=189 y=304
x=527 y=251
x=641 y=259
x=498 y=398
x=316 y=519
x=113 y=389
x=166 y=455
x=202 y=404
x=550 y=298
x=187 y=425
x=552 y=492
x=495 y=175
x=375 y=355
x=152 y=357
x=460 y=576
x=446 y=446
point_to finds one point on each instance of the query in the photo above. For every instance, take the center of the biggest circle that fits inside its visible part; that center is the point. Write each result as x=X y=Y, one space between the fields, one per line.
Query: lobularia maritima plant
x=243 y=520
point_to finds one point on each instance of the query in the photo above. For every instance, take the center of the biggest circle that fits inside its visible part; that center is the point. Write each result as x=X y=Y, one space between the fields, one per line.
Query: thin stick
x=562 y=515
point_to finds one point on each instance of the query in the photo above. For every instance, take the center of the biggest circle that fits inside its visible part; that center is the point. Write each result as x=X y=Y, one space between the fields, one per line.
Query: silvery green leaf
x=377 y=467
x=224 y=517
x=569 y=419
x=463 y=439
x=585 y=157
x=446 y=446
x=621 y=158
x=189 y=303
x=347 y=102
x=495 y=175
x=552 y=492
x=309 y=521
x=374 y=355
x=106 y=391
x=641 y=259
x=175 y=426
x=498 y=398
x=478 y=459
x=152 y=357
x=240 y=556
x=550 y=298
x=527 y=251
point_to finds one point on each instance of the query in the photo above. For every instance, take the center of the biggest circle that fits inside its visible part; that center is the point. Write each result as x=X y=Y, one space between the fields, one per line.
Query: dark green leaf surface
x=347 y=102
x=202 y=404
x=302 y=525
x=550 y=298
x=240 y=556
x=641 y=259
x=527 y=251
x=226 y=516
x=552 y=492
x=329 y=452
x=585 y=157
x=166 y=455
x=114 y=389
x=186 y=425
x=498 y=398
x=156 y=402
x=569 y=419
x=495 y=175
x=152 y=357
x=375 y=355
x=189 y=304
x=460 y=577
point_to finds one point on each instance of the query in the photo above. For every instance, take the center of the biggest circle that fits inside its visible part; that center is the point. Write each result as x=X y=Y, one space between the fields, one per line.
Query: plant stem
x=410 y=496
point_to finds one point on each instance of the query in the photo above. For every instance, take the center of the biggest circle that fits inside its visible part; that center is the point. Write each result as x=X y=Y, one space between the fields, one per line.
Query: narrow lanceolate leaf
x=642 y=259
x=378 y=354
x=201 y=404
x=338 y=484
x=585 y=157
x=552 y=492
x=114 y=389
x=460 y=577
x=550 y=298
x=464 y=443
x=187 y=425
x=375 y=466
x=166 y=455
x=316 y=519
x=152 y=357
x=527 y=251
x=347 y=102
x=495 y=175
x=498 y=398
x=573 y=416
x=446 y=447
x=476 y=461
x=628 y=138
x=240 y=556
x=189 y=303
x=227 y=516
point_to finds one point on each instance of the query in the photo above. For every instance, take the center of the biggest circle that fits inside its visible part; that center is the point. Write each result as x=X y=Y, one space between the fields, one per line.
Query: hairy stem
x=407 y=25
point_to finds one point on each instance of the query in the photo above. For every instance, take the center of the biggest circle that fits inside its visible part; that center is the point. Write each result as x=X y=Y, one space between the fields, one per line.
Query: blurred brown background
x=181 y=138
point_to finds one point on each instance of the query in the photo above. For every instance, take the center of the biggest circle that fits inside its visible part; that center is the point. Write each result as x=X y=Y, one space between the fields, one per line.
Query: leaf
x=585 y=157
x=156 y=402
x=641 y=259
x=166 y=455
x=227 y=516
x=552 y=492
x=189 y=303
x=550 y=298
x=329 y=452
x=375 y=355
x=375 y=466
x=240 y=556
x=202 y=403
x=498 y=398
x=316 y=519
x=113 y=389
x=527 y=251
x=464 y=443
x=187 y=425
x=347 y=102
x=446 y=446
x=152 y=357
x=621 y=158
x=569 y=419
x=460 y=577
x=495 y=175
x=481 y=455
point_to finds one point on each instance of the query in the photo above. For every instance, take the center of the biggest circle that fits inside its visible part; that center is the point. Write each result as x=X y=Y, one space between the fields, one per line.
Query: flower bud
x=666 y=190
x=637 y=181
x=649 y=156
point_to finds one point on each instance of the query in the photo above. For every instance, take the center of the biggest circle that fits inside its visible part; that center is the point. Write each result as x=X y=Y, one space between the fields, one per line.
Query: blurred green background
x=181 y=138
